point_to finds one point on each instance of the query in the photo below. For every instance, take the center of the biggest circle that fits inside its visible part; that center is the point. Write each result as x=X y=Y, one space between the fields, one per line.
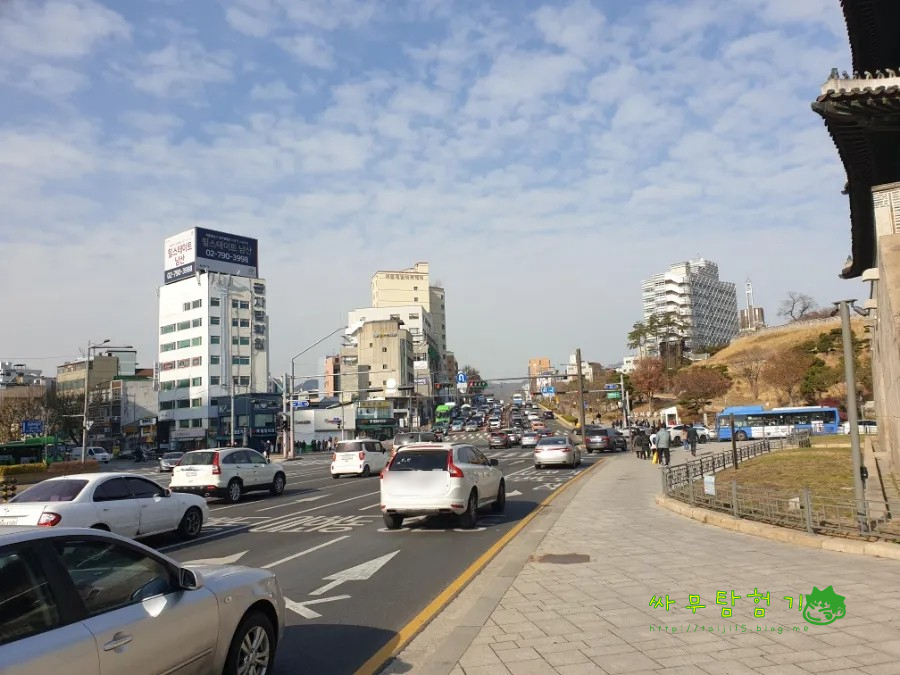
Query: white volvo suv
x=227 y=473
x=428 y=479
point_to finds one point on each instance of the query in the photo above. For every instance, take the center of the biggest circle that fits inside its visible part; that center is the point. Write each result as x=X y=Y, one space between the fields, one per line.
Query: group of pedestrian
x=319 y=444
x=657 y=444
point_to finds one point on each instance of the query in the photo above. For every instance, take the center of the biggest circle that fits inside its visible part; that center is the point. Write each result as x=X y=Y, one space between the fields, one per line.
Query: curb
x=876 y=549
x=381 y=662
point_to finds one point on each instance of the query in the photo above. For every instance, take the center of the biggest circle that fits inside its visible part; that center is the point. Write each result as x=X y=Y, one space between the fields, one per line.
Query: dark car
x=498 y=439
x=548 y=415
x=603 y=439
x=415 y=437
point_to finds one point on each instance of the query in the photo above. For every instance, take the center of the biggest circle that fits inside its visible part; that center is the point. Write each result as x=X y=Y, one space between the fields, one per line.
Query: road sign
x=32 y=427
x=609 y=387
x=548 y=391
x=614 y=394
x=299 y=404
x=461 y=378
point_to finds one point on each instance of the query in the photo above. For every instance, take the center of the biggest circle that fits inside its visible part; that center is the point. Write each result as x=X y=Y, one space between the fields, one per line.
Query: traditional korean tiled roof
x=872 y=26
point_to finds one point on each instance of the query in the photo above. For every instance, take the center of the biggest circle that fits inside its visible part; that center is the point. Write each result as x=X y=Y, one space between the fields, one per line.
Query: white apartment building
x=629 y=363
x=213 y=340
x=587 y=372
x=692 y=291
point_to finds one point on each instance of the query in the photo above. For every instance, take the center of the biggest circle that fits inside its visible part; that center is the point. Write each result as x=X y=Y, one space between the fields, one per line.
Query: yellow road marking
x=405 y=635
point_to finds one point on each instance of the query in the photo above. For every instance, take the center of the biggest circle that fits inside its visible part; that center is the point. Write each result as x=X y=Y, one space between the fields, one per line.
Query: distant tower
x=751 y=319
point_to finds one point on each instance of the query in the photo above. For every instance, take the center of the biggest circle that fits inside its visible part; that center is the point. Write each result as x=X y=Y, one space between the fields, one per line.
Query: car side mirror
x=268 y=460
x=167 y=492
x=189 y=580
x=495 y=462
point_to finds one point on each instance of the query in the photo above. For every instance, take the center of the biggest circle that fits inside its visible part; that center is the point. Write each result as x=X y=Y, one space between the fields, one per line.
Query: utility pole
x=287 y=407
x=580 y=392
x=231 y=394
x=623 y=400
x=853 y=415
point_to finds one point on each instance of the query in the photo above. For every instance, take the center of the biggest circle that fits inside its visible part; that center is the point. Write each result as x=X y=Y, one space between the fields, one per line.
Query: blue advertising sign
x=32 y=427
x=461 y=378
x=548 y=391
x=211 y=250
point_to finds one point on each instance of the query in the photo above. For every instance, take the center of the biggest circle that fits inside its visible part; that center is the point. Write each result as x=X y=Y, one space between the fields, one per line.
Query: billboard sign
x=214 y=251
x=420 y=365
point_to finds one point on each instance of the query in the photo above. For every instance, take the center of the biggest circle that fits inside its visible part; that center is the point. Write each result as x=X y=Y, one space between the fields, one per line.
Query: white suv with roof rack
x=227 y=473
x=430 y=479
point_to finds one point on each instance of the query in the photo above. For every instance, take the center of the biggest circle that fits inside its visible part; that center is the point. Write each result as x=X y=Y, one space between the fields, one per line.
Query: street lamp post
x=290 y=399
x=85 y=421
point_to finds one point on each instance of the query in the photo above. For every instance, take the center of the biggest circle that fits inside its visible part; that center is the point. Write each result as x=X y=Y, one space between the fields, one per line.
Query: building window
x=167 y=329
x=214 y=321
x=214 y=339
x=413 y=316
x=184 y=343
x=167 y=386
x=167 y=405
x=196 y=342
x=182 y=403
x=196 y=402
x=184 y=424
x=416 y=299
x=168 y=365
x=384 y=366
x=384 y=349
x=197 y=361
x=170 y=346
x=214 y=401
x=186 y=307
x=214 y=379
x=196 y=381
x=240 y=360
x=213 y=302
x=184 y=325
x=259 y=289
x=243 y=420
x=234 y=304
x=244 y=380
x=244 y=304
x=184 y=363
x=196 y=323
x=215 y=360
x=184 y=384
x=196 y=423
x=240 y=341
x=243 y=323
x=259 y=329
x=196 y=304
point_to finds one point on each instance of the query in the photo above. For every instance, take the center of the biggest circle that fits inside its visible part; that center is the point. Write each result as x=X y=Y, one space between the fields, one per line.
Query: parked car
x=864 y=426
x=556 y=450
x=603 y=439
x=169 y=461
x=360 y=457
x=126 y=504
x=228 y=473
x=425 y=479
x=87 y=601
x=498 y=439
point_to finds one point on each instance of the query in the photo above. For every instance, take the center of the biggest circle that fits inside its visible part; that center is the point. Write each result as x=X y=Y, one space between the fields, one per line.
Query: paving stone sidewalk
x=596 y=616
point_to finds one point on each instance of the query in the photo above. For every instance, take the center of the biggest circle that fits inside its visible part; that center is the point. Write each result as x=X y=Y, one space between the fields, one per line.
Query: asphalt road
x=351 y=583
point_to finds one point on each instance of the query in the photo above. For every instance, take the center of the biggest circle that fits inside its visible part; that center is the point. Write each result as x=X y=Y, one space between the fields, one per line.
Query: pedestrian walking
x=690 y=439
x=663 y=441
x=643 y=441
x=652 y=440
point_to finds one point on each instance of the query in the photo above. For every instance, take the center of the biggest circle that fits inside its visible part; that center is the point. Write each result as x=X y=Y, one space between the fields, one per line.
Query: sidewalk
x=591 y=611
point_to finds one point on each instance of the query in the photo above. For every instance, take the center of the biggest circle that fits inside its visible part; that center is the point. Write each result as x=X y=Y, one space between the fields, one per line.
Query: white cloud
x=48 y=81
x=577 y=28
x=181 y=69
x=308 y=50
x=272 y=91
x=57 y=28
x=152 y=123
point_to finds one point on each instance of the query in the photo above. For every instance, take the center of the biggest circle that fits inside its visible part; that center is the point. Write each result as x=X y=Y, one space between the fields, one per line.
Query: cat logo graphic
x=824 y=607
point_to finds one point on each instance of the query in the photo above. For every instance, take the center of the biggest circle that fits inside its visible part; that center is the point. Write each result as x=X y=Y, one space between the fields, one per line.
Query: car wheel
x=538 y=466
x=704 y=439
x=234 y=491
x=392 y=521
x=590 y=451
x=741 y=436
x=469 y=518
x=500 y=504
x=252 y=648
x=191 y=523
x=278 y=482
x=366 y=472
x=335 y=475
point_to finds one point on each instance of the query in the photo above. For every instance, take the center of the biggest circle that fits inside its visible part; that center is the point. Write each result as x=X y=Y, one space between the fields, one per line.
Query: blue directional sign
x=548 y=391
x=299 y=404
x=610 y=386
x=32 y=427
x=461 y=378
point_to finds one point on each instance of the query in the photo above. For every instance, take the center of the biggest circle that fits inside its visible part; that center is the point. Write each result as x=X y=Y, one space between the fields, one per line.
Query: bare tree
x=749 y=369
x=785 y=370
x=796 y=306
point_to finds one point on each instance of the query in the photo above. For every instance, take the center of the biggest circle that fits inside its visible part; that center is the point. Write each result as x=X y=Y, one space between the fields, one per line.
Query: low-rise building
x=117 y=408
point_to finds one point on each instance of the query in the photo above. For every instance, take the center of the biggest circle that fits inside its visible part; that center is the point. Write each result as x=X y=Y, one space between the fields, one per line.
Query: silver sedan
x=556 y=450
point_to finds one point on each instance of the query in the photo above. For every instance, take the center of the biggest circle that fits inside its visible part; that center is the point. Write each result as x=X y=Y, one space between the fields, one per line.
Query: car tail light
x=362 y=455
x=216 y=470
x=49 y=519
x=455 y=471
x=333 y=456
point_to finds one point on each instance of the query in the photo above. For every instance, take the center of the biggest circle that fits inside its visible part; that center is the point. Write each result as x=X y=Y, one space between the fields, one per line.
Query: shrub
x=571 y=419
x=20 y=469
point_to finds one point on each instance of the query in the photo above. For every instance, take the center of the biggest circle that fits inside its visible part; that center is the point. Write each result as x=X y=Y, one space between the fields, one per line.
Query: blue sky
x=544 y=157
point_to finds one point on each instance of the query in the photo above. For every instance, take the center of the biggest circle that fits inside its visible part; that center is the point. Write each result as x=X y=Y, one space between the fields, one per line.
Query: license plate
x=191 y=472
x=8 y=521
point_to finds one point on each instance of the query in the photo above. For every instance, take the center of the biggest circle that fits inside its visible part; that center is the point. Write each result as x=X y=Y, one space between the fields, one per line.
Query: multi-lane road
x=351 y=583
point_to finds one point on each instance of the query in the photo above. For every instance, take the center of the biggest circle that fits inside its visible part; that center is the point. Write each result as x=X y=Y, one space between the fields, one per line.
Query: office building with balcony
x=704 y=307
x=123 y=412
x=540 y=375
x=213 y=333
x=104 y=366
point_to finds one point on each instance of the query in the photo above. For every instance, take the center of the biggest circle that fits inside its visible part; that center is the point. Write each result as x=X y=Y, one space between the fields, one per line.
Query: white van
x=94 y=453
x=361 y=457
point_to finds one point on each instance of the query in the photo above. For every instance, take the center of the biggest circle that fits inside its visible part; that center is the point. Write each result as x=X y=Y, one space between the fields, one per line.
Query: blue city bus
x=754 y=421
x=518 y=399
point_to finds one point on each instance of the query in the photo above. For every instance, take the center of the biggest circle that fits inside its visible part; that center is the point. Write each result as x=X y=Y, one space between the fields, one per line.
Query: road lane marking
x=300 y=554
x=294 y=501
x=370 y=506
x=410 y=630
x=302 y=609
x=362 y=572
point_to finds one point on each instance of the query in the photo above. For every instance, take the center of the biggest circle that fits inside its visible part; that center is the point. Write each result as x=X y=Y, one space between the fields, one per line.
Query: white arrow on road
x=295 y=501
x=514 y=493
x=225 y=560
x=307 y=613
x=358 y=573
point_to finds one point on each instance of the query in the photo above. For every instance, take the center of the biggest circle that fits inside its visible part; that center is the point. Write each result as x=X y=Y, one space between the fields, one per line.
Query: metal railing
x=799 y=509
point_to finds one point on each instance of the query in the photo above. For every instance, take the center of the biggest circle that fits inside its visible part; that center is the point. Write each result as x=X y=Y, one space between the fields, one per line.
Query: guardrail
x=800 y=509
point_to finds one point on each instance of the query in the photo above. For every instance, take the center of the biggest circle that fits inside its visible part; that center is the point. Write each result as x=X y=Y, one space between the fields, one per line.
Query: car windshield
x=596 y=431
x=199 y=457
x=529 y=434
x=420 y=460
x=553 y=441
x=62 y=490
x=402 y=439
x=173 y=455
